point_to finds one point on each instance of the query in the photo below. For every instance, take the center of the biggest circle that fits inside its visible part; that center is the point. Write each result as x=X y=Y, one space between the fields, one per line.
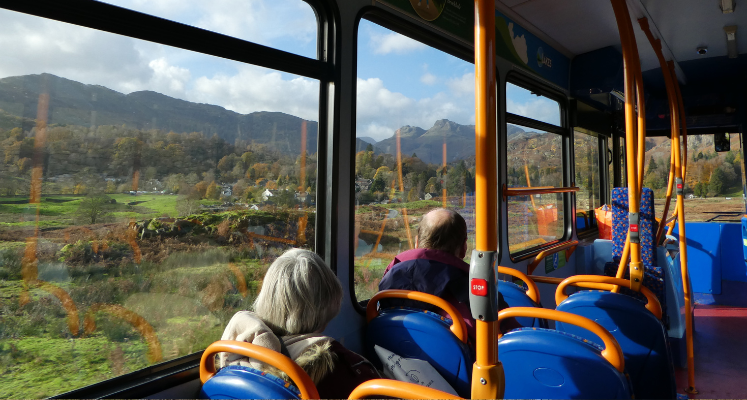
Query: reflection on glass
x=288 y=25
x=134 y=224
x=534 y=160
x=586 y=152
x=413 y=154
x=610 y=166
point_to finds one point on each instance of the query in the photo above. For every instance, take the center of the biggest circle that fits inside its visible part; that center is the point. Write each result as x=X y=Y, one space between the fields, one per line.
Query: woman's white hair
x=300 y=294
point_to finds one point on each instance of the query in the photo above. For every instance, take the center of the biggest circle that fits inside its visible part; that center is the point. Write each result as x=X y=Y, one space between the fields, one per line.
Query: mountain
x=75 y=103
x=428 y=145
x=368 y=139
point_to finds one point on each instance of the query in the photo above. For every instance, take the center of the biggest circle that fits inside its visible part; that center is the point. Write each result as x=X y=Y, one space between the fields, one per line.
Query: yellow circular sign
x=428 y=9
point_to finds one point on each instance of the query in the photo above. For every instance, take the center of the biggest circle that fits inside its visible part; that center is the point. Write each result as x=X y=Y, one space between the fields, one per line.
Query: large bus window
x=288 y=25
x=534 y=157
x=415 y=144
x=586 y=153
x=144 y=191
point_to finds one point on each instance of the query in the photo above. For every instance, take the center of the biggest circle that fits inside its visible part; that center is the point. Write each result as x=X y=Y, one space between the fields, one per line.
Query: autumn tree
x=94 y=208
x=213 y=191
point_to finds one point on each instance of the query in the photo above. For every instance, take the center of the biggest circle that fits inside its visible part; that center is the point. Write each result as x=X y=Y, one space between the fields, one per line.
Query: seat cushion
x=423 y=335
x=640 y=334
x=237 y=382
x=543 y=363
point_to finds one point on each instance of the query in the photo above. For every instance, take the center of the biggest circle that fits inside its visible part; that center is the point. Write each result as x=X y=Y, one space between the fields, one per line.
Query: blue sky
x=400 y=81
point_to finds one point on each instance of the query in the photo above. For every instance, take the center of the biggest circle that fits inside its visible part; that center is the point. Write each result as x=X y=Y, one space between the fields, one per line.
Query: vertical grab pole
x=678 y=173
x=487 y=372
x=632 y=68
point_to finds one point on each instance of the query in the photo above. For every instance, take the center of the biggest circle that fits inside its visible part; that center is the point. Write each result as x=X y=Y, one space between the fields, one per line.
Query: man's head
x=445 y=230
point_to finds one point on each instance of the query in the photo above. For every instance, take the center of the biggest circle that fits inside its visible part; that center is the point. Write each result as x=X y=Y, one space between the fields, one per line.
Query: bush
x=10 y=264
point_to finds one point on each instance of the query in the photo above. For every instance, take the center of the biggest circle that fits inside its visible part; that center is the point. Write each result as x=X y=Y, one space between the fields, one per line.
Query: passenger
x=436 y=265
x=300 y=295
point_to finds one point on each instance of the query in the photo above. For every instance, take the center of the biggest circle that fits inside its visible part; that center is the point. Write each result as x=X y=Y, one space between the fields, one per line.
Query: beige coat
x=310 y=351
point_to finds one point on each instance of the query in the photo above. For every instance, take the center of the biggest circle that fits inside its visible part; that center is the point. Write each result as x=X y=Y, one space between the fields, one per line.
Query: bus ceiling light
x=727 y=6
x=731 y=41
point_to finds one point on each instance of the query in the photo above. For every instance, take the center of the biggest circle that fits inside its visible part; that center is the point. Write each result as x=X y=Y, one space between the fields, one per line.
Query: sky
x=400 y=81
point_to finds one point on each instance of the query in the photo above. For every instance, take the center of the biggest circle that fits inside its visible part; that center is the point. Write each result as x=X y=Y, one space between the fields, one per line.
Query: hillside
x=75 y=103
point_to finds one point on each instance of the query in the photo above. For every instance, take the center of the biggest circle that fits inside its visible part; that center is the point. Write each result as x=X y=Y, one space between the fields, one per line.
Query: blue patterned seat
x=653 y=277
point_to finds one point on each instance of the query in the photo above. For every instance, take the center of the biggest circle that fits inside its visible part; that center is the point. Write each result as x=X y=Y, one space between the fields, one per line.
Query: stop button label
x=479 y=287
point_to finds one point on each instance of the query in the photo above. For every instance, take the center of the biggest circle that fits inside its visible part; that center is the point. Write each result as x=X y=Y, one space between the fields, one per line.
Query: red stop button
x=634 y=228
x=479 y=287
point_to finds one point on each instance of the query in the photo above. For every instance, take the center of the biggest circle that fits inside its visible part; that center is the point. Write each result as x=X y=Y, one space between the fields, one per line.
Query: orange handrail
x=612 y=351
x=546 y=279
x=458 y=327
x=569 y=248
x=523 y=191
x=488 y=380
x=632 y=69
x=532 y=290
x=678 y=172
x=267 y=356
x=606 y=283
x=379 y=388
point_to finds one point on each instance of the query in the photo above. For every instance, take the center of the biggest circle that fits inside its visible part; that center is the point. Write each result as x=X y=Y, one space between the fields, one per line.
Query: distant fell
x=75 y=103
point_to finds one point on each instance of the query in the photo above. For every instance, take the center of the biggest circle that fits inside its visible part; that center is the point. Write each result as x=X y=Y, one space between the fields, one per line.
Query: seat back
x=543 y=363
x=516 y=296
x=423 y=335
x=237 y=382
x=653 y=276
x=642 y=337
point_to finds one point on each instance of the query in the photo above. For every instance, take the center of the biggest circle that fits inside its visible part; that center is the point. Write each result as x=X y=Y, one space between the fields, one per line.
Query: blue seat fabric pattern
x=653 y=276
x=422 y=335
x=642 y=338
x=238 y=382
x=548 y=364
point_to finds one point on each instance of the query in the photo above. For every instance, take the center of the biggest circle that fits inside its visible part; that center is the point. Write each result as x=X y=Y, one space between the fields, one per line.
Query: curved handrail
x=612 y=351
x=569 y=246
x=532 y=290
x=606 y=283
x=458 y=327
x=273 y=358
x=401 y=390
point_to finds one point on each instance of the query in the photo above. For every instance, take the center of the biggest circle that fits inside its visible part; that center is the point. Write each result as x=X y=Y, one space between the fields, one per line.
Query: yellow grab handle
x=379 y=388
x=606 y=283
x=532 y=290
x=273 y=358
x=458 y=327
x=611 y=352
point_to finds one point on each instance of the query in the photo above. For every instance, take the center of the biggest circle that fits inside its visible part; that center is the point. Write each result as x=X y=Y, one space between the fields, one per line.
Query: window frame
x=564 y=131
x=129 y=23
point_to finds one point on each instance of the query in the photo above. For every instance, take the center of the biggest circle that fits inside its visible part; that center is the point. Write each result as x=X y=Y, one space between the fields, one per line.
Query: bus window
x=415 y=144
x=586 y=153
x=714 y=182
x=525 y=103
x=534 y=157
x=144 y=191
x=288 y=25
x=610 y=166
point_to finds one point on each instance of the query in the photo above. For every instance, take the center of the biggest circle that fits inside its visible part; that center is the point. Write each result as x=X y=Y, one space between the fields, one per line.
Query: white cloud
x=428 y=79
x=380 y=111
x=278 y=23
x=393 y=43
x=540 y=109
x=258 y=89
x=463 y=86
x=167 y=77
